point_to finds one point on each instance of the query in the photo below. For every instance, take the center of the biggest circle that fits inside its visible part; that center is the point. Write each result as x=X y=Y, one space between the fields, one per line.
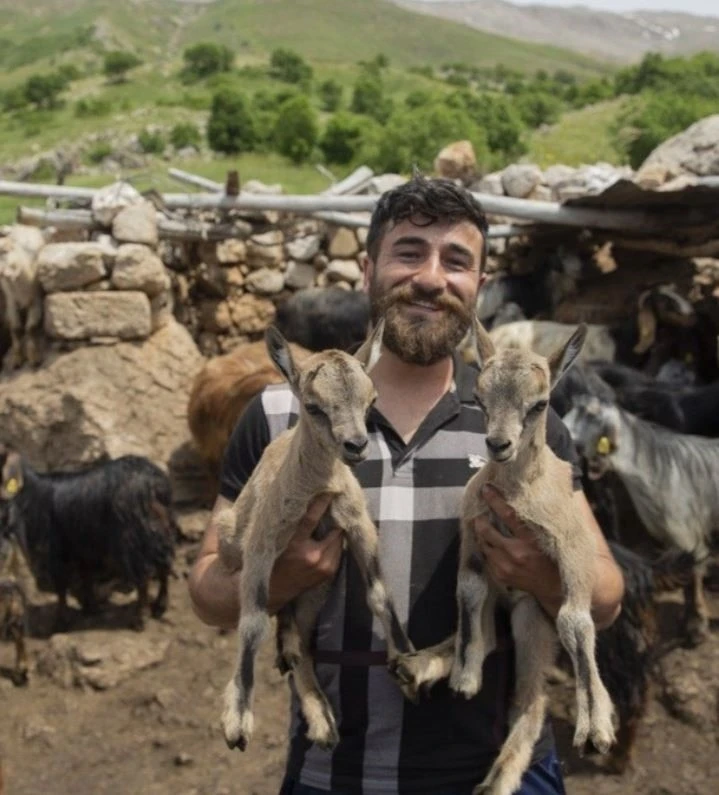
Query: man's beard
x=419 y=339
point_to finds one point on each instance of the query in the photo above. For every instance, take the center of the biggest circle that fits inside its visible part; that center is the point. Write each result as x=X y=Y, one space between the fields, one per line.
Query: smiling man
x=426 y=250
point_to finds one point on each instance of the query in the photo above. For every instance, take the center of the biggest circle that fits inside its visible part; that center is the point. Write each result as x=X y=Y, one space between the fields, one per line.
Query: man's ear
x=367 y=267
x=280 y=353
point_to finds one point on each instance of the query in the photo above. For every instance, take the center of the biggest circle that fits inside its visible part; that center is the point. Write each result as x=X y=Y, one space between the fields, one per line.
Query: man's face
x=425 y=282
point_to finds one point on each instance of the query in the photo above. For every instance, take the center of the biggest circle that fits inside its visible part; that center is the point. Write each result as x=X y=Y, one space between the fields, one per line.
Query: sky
x=702 y=7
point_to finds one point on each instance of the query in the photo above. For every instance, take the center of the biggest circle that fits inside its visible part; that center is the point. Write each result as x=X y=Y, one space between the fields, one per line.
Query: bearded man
x=426 y=250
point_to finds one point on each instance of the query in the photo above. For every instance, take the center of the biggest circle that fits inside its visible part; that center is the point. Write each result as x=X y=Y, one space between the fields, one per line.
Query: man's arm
x=518 y=562
x=214 y=590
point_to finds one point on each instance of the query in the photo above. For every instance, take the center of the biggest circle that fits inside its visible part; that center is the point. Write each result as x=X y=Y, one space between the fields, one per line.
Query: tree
x=296 y=129
x=330 y=93
x=230 y=128
x=118 y=63
x=368 y=97
x=205 y=59
x=289 y=67
x=44 y=90
x=342 y=138
x=185 y=134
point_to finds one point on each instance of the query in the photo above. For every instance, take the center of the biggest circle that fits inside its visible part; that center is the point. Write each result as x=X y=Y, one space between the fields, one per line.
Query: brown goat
x=222 y=390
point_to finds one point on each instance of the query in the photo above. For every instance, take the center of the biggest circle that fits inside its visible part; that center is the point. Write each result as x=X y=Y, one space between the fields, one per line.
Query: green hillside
x=330 y=31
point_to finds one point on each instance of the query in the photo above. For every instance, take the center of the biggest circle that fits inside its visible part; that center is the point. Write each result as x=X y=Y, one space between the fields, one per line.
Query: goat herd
x=641 y=403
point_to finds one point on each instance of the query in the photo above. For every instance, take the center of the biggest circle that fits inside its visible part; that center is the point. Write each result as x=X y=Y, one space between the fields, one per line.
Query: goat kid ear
x=371 y=349
x=12 y=479
x=481 y=346
x=563 y=358
x=281 y=355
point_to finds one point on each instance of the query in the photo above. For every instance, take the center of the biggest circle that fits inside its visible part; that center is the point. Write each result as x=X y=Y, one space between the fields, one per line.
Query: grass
x=581 y=136
x=268 y=168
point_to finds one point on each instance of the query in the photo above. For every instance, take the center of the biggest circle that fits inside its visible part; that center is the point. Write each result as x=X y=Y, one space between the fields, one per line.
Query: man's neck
x=406 y=393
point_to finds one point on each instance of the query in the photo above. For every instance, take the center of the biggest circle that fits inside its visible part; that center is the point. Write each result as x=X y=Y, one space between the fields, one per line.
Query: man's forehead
x=419 y=226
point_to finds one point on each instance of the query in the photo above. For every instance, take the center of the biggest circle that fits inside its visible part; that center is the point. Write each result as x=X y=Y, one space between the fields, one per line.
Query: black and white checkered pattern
x=413 y=493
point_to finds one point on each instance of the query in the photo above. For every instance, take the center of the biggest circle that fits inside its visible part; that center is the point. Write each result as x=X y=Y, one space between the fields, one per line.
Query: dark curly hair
x=433 y=199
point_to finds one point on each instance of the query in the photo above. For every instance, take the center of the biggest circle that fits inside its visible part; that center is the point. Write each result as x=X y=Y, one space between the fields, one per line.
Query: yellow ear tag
x=603 y=446
x=12 y=487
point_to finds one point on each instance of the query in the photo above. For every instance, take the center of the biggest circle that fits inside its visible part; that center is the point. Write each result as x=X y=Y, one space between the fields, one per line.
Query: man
x=425 y=252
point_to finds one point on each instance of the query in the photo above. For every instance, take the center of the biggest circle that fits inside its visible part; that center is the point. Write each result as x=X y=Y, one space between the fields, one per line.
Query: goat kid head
x=594 y=427
x=661 y=304
x=334 y=391
x=513 y=388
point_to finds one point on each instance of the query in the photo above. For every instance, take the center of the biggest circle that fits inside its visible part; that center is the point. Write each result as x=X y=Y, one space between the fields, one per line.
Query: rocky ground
x=112 y=711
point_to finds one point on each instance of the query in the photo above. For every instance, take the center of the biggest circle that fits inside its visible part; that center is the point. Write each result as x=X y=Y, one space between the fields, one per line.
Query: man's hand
x=306 y=562
x=517 y=562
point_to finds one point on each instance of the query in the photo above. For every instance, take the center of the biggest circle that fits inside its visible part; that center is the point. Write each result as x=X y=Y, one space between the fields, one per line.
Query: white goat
x=21 y=290
x=513 y=390
x=670 y=478
x=312 y=458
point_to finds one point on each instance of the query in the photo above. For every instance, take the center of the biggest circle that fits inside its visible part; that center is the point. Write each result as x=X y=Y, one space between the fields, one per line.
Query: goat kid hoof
x=19 y=678
x=158 y=611
x=326 y=741
x=464 y=684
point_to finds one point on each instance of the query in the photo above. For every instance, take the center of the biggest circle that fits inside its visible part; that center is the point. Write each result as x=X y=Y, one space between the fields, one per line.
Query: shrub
x=343 y=138
x=44 y=90
x=118 y=63
x=296 y=129
x=289 y=67
x=99 y=151
x=185 y=134
x=230 y=128
x=205 y=59
x=151 y=142
x=330 y=93
x=368 y=97
x=92 y=107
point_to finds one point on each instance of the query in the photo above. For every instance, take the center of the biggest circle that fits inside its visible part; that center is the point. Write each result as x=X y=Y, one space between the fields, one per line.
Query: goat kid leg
x=473 y=591
x=594 y=706
x=321 y=724
x=536 y=644
x=138 y=620
x=421 y=669
x=20 y=673
x=695 y=607
x=159 y=606
x=254 y=624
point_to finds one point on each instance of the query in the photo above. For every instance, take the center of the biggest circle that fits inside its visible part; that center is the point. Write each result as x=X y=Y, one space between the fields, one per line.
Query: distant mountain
x=620 y=37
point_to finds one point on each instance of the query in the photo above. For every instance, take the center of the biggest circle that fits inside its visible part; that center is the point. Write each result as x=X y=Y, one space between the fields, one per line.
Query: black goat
x=109 y=527
x=319 y=318
x=627 y=651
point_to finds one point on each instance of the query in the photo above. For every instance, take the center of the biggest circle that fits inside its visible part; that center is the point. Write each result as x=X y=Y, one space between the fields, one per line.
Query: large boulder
x=457 y=161
x=695 y=151
x=83 y=315
x=104 y=401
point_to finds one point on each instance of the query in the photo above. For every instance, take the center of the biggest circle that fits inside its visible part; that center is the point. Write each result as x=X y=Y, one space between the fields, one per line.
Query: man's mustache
x=409 y=293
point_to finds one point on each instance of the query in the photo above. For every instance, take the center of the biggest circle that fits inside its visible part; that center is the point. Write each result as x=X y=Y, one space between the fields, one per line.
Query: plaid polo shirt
x=413 y=493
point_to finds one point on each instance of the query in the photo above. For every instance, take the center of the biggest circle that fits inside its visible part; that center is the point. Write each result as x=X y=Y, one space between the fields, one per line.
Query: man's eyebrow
x=409 y=240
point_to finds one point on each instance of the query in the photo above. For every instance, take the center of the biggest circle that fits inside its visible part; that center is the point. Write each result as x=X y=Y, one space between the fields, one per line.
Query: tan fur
x=297 y=466
x=222 y=390
x=537 y=485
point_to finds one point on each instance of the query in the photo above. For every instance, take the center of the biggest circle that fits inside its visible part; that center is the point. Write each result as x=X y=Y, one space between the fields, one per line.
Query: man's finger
x=494 y=539
x=315 y=511
x=505 y=512
x=333 y=538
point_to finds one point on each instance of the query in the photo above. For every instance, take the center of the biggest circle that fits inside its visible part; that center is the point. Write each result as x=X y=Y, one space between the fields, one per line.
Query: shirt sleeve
x=247 y=443
x=560 y=441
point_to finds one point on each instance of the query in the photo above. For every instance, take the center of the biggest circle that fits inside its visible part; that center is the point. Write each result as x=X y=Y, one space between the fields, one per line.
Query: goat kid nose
x=497 y=445
x=356 y=446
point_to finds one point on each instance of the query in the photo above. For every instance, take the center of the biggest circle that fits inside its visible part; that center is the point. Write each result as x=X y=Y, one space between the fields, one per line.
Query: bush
x=205 y=59
x=99 y=152
x=538 y=108
x=92 y=107
x=14 y=99
x=152 y=143
x=118 y=63
x=230 y=128
x=343 y=138
x=415 y=136
x=44 y=90
x=185 y=134
x=330 y=93
x=296 y=129
x=368 y=97
x=289 y=67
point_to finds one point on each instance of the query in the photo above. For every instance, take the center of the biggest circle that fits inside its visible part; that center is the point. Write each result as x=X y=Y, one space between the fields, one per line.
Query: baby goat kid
x=513 y=390
x=312 y=458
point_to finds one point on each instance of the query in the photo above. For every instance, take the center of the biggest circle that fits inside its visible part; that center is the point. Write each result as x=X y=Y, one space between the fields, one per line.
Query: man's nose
x=431 y=277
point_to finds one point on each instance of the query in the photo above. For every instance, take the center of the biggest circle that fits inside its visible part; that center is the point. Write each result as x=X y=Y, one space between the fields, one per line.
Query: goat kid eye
x=314 y=411
x=538 y=407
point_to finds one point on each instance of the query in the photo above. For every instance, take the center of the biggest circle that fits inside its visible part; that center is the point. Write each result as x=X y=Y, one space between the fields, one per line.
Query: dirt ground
x=157 y=731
